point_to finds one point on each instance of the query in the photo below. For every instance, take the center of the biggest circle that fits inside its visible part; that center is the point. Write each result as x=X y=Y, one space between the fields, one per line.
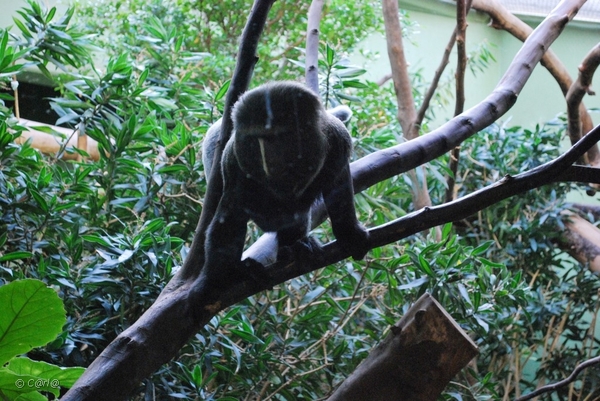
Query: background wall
x=540 y=100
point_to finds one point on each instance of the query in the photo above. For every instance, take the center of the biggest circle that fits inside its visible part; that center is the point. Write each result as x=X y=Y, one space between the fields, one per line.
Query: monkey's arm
x=339 y=200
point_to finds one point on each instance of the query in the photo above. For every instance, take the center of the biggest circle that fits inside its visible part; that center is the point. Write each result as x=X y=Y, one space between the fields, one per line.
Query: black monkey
x=285 y=152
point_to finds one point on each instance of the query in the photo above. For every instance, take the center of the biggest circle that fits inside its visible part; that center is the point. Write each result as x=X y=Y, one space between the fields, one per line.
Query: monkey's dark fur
x=285 y=152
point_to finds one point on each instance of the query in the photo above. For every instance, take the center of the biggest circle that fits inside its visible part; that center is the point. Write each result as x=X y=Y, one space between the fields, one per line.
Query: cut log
x=51 y=144
x=422 y=353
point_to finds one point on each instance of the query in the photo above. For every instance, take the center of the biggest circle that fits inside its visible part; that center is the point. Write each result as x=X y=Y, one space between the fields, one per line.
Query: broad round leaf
x=31 y=315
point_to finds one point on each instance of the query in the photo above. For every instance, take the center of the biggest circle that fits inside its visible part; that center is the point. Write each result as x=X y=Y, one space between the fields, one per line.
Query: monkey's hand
x=355 y=241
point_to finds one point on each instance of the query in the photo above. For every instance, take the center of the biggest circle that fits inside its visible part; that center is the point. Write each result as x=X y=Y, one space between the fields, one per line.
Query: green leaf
x=425 y=266
x=53 y=377
x=96 y=240
x=3 y=43
x=446 y=230
x=18 y=387
x=31 y=315
x=143 y=77
x=353 y=83
x=39 y=199
x=222 y=90
x=15 y=256
x=176 y=168
x=22 y=28
x=481 y=248
x=330 y=55
x=50 y=15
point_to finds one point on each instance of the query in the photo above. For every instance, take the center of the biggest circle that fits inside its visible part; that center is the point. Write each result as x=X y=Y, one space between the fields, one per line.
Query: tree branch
x=575 y=95
x=462 y=8
x=562 y=383
x=415 y=362
x=407 y=115
x=312 y=45
x=436 y=79
x=503 y=19
x=240 y=81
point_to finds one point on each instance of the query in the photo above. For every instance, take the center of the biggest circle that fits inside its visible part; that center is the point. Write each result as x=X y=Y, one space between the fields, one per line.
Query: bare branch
x=461 y=32
x=402 y=85
x=503 y=19
x=436 y=79
x=387 y=163
x=415 y=362
x=240 y=81
x=576 y=92
x=312 y=45
x=553 y=387
x=407 y=115
x=461 y=48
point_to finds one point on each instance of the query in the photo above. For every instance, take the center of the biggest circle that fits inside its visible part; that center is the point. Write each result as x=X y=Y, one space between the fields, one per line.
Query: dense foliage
x=108 y=234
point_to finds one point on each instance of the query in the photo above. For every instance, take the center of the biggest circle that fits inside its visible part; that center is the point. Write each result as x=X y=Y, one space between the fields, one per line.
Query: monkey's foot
x=255 y=271
x=302 y=250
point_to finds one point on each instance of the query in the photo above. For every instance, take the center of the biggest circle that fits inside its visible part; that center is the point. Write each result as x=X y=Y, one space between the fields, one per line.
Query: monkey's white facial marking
x=265 y=166
x=269 y=109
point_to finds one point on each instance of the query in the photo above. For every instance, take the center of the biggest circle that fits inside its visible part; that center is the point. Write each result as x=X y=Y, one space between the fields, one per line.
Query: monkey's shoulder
x=337 y=134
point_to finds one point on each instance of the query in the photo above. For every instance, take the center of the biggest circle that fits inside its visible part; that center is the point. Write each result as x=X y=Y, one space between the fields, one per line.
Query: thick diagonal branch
x=503 y=19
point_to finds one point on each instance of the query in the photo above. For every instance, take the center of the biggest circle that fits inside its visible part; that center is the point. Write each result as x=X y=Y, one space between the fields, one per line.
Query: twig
x=555 y=386
x=436 y=79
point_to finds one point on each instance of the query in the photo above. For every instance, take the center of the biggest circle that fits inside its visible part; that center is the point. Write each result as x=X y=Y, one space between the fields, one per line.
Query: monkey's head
x=279 y=138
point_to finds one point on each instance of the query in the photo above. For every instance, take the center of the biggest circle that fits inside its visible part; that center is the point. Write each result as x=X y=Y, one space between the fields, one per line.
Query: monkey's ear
x=342 y=113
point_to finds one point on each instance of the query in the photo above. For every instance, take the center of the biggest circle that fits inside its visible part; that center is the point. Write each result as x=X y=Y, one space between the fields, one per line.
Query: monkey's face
x=286 y=161
x=278 y=140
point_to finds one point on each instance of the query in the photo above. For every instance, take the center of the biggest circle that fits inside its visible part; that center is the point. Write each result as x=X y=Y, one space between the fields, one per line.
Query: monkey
x=285 y=152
